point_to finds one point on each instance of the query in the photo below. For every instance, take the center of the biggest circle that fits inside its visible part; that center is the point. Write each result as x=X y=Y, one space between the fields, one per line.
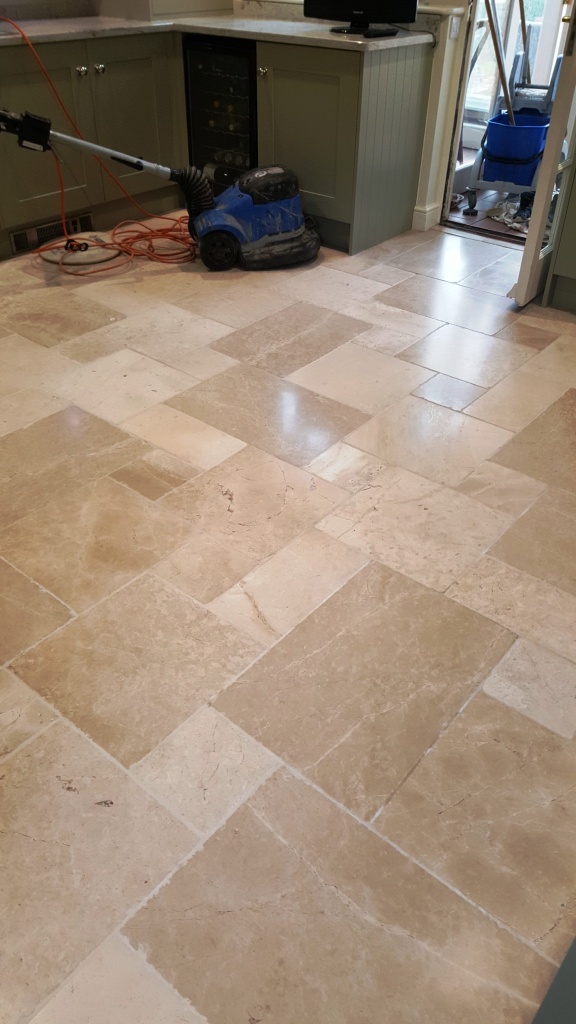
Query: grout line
x=40 y=586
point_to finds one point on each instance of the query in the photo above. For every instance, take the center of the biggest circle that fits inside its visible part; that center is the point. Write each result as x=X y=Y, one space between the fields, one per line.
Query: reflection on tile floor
x=287 y=641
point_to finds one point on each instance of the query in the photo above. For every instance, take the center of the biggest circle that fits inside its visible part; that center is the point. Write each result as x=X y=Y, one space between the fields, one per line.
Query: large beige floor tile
x=357 y=692
x=120 y=385
x=497 y=278
x=205 y=769
x=49 y=316
x=115 y=985
x=188 y=438
x=517 y=400
x=136 y=666
x=448 y=391
x=453 y=303
x=86 y=544
x=253 y=502
x=237 y=305
x=392 y=318
x=205 y=566
x=537 y=683
x=449 y=257
x=170 y=335
x=543 y=541
x=25 y=365
x=285 y=341
x=526 y=334
x=528 y=606
x=26 y=407
x=491 y=808
x=269 y=601
x=22 y=713
x=545 y=449
x=361 y=377
x=327 y=932
x=27 y=613
x=59 y=453
x=81 y=844
x=468 y=355
x=438 y=443
x=327 y=287
x=420 y=528
x=557 y=361
x=385 y=339
x=155 y=474
x=346 y=466
x=276 y=415
x=502 y=489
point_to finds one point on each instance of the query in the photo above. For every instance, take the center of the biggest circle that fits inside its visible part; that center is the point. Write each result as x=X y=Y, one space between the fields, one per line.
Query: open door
x=553 y=176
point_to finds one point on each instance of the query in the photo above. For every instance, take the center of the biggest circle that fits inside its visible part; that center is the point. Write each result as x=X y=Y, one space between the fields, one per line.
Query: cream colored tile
x=115 y=985
x=169 y=334
x=526 y=334
x=502 y=488
x=273 y=598
x=25 y=365
x=324 y=932
x=448 y=391
x=385 y=339
x=543 y=542
x=235 y=306
x=524 y=604
x=517 y=400
x=545 y=448
x=360 y=377
x=438 y=443
x=419 y=528
x=346 y=466
x=557 y=362
x=386 y=274
x=81 y=845
x=86 y=544
x=55 y=455
x=254 y=503
x=186 y=437
x=136 y=665
x=205 y=769
x=51 y=316
x=468 y=355
x=275 y=415
x=205 y=566
x=22 y=713
x=537 y=683
x=391 y=318
x=491 y=809
x=27 y=613
x=120 y=385
x=444 y=300
x=328 y=288
x=450 y=257
x=26 y=407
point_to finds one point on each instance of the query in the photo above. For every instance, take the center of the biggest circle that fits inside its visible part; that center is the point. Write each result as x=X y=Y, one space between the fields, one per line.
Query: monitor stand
x=357 y=28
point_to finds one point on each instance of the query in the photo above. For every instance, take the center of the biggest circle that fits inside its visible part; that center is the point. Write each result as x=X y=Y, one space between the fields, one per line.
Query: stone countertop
x=306 y=32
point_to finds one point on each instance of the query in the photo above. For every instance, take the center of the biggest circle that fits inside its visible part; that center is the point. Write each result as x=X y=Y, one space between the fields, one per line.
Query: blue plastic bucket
x=512 y=152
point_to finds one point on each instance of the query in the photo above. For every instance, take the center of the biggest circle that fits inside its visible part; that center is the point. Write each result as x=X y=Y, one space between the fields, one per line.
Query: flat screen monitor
x=366 y=18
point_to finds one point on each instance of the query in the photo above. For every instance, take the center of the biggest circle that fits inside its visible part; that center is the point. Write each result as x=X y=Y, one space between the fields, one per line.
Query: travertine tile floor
x=288 y=642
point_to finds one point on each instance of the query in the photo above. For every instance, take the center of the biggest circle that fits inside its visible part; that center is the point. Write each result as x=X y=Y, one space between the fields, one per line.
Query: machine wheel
x=219 y=250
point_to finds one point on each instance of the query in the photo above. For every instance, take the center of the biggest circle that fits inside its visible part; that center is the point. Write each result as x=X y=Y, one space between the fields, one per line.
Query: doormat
x=559 y=1006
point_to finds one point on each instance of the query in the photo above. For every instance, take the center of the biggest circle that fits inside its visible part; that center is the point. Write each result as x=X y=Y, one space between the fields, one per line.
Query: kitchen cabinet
x=123 y=92
x=351 y=125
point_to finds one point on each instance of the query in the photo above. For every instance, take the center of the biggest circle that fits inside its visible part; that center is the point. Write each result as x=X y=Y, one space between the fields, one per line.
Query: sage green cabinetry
x=351 y=125
x=122 y=92
x=561 y=285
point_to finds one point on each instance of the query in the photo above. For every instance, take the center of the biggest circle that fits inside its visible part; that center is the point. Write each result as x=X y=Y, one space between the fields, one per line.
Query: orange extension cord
x=131 y=239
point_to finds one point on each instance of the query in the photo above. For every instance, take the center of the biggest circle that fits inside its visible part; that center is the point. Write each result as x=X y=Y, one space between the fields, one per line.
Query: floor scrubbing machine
x=257 y=223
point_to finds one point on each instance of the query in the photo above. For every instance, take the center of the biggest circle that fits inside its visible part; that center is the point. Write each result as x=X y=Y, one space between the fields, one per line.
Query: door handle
x=82 y=70
x=262 y=72
x=99 y=69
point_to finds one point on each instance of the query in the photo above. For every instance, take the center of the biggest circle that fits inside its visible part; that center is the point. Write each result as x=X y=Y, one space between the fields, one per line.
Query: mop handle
x=494 y=32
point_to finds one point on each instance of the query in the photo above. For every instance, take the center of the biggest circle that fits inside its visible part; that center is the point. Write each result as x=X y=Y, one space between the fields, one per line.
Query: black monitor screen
x=367 y=12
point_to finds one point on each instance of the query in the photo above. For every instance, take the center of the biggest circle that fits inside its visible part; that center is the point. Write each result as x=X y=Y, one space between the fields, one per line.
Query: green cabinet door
x=308 y=119
x=29 y=190
x=138 y=101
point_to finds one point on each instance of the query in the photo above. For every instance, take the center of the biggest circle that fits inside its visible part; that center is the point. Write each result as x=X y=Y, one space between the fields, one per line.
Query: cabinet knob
x=82 y=70
x=262 y=72
x=99 y=69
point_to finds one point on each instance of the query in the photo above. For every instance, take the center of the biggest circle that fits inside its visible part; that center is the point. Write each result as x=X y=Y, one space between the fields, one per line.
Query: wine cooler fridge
x=221 y=106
